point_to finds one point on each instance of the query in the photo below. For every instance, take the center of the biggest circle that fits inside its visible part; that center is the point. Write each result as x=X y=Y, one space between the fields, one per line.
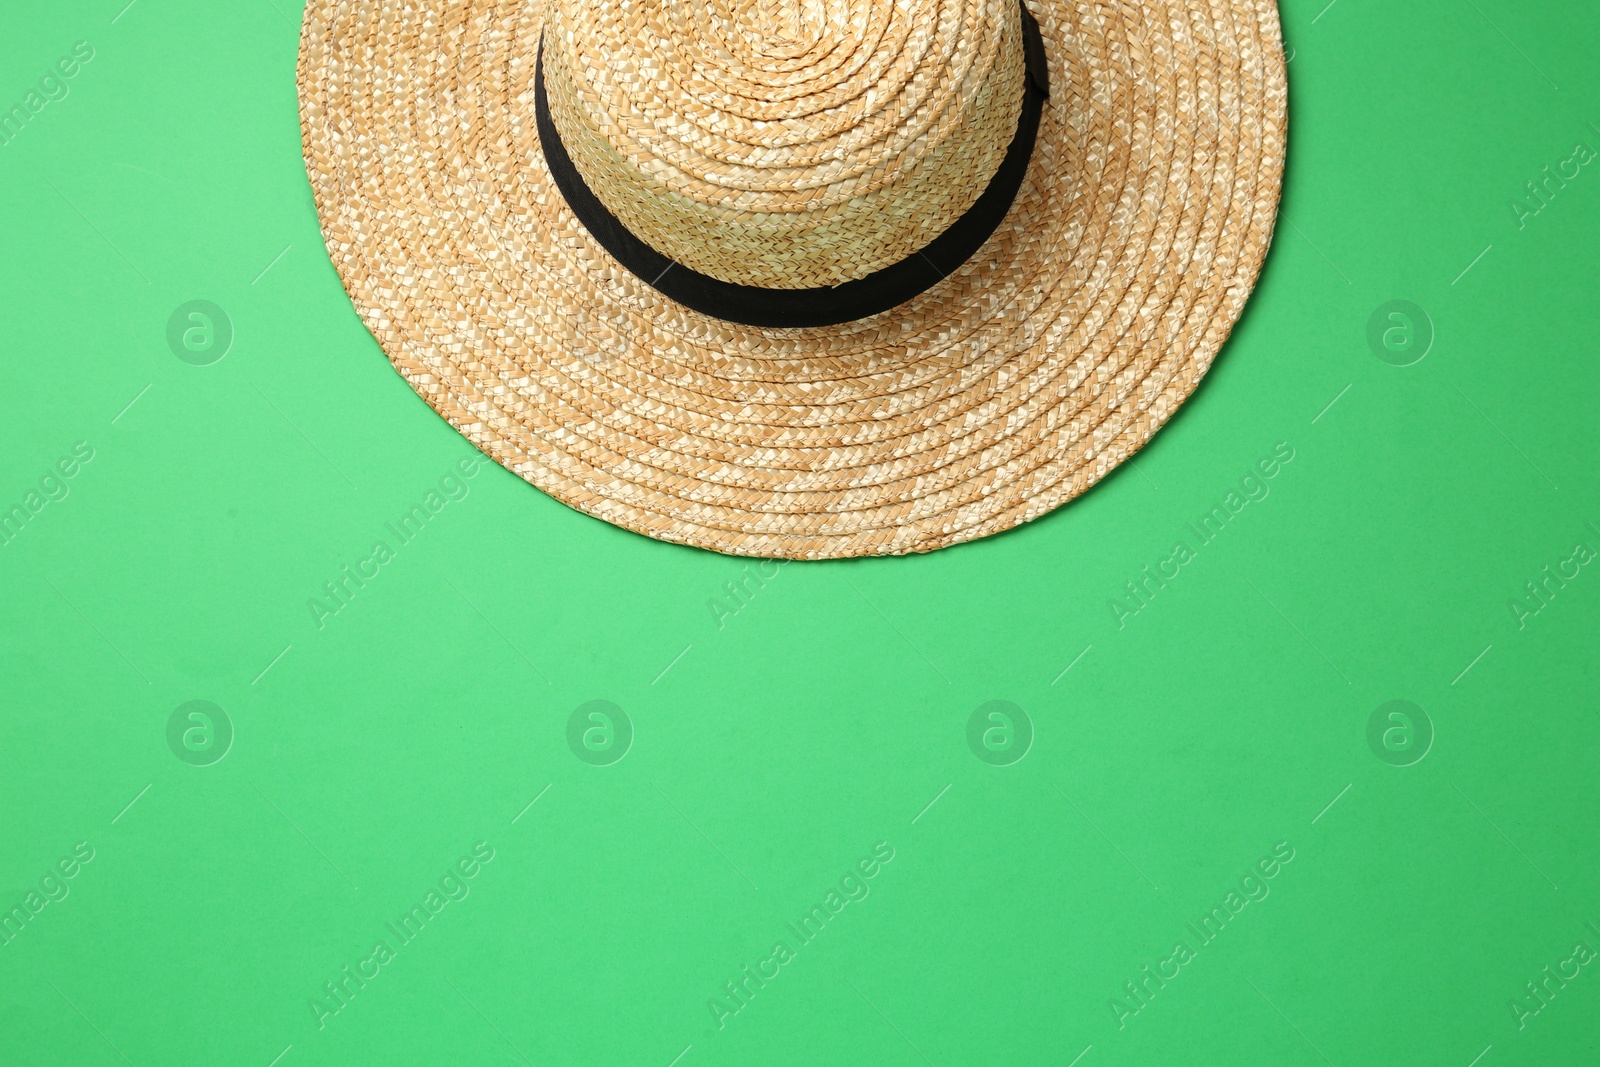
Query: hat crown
x=784 y=29
x=786 y=144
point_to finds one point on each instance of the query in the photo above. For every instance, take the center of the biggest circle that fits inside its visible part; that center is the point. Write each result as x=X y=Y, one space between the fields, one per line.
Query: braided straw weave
x=789 y=162
x=789 y=144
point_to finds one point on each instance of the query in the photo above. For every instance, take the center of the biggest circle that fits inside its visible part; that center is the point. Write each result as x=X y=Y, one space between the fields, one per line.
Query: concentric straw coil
x=786 y=144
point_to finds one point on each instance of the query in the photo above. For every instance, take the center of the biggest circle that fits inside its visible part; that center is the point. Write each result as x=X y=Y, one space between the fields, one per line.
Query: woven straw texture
x=786 y=173
x=720 y=126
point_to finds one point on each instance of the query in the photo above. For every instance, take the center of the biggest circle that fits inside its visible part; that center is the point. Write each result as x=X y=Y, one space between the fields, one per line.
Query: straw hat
x=798 y=278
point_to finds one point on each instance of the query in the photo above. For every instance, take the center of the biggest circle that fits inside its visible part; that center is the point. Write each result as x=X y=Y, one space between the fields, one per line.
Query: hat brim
x=1002 y=392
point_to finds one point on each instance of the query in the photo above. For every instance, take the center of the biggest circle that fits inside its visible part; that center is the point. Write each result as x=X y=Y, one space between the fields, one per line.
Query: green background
x=774 y=747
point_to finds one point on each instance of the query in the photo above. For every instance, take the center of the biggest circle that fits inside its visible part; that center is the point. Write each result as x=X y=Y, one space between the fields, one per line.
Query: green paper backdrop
x=1195 y=828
